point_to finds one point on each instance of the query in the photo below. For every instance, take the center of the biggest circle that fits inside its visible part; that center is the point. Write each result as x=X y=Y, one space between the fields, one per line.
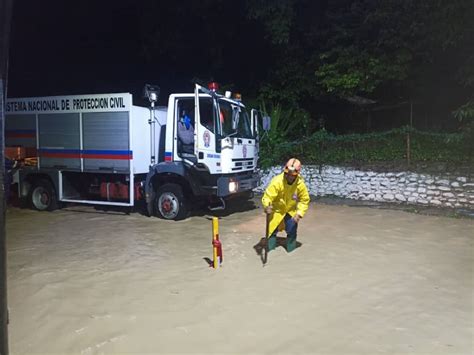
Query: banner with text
x=72 y=104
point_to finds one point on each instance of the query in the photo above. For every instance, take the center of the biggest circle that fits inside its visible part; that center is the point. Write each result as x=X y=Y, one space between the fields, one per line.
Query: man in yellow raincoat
x=286 y=201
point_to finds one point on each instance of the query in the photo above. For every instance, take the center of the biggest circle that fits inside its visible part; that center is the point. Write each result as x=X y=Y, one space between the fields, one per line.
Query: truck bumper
x=227 y=186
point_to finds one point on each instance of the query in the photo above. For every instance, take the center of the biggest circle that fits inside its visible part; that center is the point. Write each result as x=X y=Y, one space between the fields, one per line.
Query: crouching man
x=286 y=201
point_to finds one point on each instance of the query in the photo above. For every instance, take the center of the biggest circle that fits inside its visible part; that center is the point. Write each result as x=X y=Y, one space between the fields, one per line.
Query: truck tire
x=170 y=202
x=43 y=196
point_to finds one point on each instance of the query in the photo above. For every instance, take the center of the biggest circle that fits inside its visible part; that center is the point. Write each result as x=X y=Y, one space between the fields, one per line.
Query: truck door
x=206 y=132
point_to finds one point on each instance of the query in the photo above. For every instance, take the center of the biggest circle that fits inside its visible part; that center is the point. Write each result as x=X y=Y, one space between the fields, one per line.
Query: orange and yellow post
x=216 y=244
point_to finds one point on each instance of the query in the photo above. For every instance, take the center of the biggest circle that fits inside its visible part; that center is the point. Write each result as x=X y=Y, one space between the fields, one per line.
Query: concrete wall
x=403 y=187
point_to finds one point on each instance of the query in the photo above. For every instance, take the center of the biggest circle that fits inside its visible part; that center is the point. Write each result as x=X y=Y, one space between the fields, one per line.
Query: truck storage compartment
x=20 y=130
x=59 y=141
x=106 y=144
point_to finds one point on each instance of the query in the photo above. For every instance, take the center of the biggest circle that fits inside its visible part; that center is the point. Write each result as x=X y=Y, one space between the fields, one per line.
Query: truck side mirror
x=266 y=123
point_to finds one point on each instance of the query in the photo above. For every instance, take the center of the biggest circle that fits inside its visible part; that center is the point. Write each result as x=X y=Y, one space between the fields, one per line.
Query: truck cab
x=211 y=153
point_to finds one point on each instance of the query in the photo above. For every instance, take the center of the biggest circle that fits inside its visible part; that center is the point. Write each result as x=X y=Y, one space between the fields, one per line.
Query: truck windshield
x=229 y=111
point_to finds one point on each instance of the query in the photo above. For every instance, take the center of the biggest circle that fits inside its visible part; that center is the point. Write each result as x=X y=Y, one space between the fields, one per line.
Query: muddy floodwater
x=362 y=281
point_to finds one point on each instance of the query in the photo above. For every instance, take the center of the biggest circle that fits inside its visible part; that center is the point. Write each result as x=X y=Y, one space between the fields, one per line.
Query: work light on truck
x=151 y=92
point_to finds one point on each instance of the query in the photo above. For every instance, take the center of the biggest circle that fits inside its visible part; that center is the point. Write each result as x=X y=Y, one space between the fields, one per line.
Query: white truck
x=103 y=150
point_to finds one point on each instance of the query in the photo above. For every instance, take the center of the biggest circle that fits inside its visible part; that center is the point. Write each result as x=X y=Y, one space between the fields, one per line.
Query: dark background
x=64 y=47
x=86 y=47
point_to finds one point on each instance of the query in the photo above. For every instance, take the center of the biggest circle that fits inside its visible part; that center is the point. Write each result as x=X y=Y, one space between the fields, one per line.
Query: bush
x=323 y=147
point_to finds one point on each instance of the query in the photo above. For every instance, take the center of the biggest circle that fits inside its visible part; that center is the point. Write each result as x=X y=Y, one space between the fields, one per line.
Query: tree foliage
x=356 y=46
x=298 y=53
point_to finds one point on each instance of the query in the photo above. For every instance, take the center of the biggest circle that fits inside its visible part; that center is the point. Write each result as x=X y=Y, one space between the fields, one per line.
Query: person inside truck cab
x=186 y=133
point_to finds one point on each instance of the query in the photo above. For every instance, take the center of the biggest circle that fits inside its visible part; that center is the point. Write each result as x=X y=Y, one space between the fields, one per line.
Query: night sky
x=65 y=47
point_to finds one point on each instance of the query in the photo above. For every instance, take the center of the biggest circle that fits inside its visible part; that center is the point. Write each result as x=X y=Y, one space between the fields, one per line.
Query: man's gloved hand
x=296 y=218
x=269 y=209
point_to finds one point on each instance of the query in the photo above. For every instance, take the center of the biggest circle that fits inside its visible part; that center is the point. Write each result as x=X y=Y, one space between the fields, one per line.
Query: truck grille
x=242 y=164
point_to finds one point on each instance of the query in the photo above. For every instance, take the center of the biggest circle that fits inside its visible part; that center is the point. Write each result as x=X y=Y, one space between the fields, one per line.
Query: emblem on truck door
x=206 y=138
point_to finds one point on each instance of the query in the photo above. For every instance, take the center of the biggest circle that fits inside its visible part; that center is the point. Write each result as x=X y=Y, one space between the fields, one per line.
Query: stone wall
x=402 y=187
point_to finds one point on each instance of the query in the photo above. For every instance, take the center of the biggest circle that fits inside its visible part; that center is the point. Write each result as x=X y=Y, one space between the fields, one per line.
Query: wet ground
x=428 y=210
x=363 y=281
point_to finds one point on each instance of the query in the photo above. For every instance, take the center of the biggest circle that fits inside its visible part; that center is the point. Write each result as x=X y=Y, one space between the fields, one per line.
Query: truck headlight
x=233 y=186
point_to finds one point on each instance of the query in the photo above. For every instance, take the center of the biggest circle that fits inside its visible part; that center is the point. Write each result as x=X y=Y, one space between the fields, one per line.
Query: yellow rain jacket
x=284 y=199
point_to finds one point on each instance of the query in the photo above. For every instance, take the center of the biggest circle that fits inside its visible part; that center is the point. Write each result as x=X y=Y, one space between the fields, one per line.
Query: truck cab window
x=244 y=127
x=207 y=113
x=226 y=112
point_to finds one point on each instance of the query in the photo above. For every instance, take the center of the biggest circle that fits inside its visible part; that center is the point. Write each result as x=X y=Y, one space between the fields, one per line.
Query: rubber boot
x=290 y=244
x=272 y=242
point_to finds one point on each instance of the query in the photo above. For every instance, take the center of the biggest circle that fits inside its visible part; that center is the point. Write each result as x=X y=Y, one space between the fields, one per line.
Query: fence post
x=408 y=148
x=408 y=134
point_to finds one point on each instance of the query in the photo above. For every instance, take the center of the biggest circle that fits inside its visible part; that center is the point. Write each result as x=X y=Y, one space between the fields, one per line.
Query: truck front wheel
x=170 y=202
x=43 y=196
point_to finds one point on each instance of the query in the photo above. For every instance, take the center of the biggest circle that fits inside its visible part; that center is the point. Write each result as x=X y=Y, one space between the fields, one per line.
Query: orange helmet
x=293 y=167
